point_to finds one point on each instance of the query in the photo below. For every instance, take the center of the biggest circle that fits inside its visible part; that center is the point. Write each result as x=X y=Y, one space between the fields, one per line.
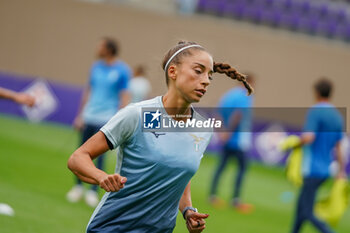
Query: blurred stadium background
x=287 y=44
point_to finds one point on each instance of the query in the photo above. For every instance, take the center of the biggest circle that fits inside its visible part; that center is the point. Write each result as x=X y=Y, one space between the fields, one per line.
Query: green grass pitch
x=34 y=180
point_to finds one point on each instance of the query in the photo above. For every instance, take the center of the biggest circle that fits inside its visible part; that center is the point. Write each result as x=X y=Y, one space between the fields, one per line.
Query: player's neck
x=322 y=100
x=109 y=60
x=175 y=105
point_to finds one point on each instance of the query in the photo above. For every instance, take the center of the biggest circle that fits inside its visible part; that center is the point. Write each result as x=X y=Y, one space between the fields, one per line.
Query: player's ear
x=172 y=72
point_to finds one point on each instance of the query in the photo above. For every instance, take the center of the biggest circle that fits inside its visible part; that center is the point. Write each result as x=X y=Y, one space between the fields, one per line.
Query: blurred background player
x=323 y=132
x=18 y=97
x=140 y=87
x=105 y=93
x=235 y=109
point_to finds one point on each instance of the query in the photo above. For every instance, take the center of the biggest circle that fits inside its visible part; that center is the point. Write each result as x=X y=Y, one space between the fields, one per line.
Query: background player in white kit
x=139 y=87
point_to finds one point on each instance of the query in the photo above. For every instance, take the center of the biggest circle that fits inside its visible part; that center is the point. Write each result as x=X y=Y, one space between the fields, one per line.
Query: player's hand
x=224 y=136
x=78 y=123
x=112 y=183
x=23 y=98
x=195 y=221
x=341 y=175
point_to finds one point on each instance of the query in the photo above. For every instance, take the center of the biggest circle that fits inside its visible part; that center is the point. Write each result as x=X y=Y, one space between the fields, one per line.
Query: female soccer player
x=153 y=171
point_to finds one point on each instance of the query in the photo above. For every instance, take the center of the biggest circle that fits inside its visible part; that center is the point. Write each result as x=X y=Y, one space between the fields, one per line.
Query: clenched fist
x=195 y=221
x=112 y=183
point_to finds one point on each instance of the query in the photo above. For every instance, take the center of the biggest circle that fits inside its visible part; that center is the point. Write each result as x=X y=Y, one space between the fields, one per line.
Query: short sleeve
x=122 y=126
x=340 y=133
x=311 y=122
x=91 y=73
x=125 y=78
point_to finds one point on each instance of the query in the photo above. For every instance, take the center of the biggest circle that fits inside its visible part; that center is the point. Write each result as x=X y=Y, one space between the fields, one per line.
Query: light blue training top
x=106 y=83
x=234 y=101
x=157 y=168
x=326 y=122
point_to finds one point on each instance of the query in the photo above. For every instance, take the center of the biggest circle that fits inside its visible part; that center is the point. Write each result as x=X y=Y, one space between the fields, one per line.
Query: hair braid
x=231 y=72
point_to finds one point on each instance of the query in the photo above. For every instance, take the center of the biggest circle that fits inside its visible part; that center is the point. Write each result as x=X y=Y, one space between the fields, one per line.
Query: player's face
x=101 y=50
x=193 y=75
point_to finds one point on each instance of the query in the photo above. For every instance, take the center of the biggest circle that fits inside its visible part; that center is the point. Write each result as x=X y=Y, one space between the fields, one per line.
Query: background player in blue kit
x=105 y=93
x=235 y=109
x=323 y=131
x=153 y=174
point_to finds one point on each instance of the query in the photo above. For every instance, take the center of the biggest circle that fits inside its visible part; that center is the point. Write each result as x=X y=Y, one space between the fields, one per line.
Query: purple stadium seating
x=344 y=32
x=308 y=16
x=236 y=9
x=201 y=6
x=269 y=3
x=273 y=18
x=339 y=15
x=328 y=28
x=255 y=13
x=305 y=7
x=312 y=24
x=323 y=10
x=292 y=20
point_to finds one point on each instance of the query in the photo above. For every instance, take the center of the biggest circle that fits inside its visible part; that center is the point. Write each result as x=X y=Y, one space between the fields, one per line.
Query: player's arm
x=78 y=121
x=186 y=198
x=80 y=163
x=307 y=138
x=7 y=94
x=233 y=122
x=195 y=221
x=18 y=97
x=235 y=119
x=124 y=95
x=310 y=127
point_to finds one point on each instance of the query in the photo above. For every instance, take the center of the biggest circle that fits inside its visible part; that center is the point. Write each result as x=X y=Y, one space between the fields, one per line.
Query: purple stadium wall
x=68 y=98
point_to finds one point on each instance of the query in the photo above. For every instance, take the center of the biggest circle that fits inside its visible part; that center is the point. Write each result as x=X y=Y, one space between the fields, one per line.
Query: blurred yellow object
x=294 y=162
x=334 y=206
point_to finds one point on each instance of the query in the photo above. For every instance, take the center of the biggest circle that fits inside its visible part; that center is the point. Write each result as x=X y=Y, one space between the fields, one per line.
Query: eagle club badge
x=197 y=141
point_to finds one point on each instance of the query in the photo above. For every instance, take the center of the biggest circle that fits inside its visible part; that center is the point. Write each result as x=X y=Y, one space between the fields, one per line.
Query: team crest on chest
x=197 y=141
